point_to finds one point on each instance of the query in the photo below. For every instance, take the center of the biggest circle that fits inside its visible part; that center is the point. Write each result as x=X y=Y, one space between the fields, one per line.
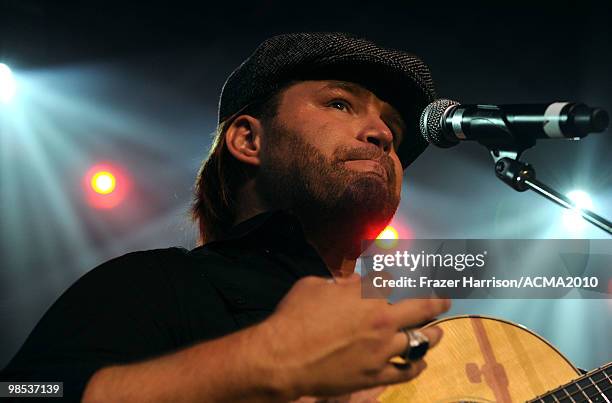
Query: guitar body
x=481 y=359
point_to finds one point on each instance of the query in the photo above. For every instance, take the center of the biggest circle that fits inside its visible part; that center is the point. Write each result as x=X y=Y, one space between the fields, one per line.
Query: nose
x=378 y=133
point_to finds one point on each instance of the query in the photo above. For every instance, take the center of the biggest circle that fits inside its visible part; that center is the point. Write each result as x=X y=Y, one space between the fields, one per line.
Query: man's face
x=330 y=154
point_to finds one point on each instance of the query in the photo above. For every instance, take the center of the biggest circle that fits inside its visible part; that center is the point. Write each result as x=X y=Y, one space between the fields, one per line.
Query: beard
x=323 y=192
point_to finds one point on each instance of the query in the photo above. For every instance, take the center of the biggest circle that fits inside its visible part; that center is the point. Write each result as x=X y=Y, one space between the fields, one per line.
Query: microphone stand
x=521 y=177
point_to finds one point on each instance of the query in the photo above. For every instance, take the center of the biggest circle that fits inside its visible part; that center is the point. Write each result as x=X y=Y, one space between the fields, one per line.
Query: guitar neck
x=594 y=386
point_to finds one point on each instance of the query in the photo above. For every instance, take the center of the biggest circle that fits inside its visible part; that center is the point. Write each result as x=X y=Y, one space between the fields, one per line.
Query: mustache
x=373 y=153
x=366 y=152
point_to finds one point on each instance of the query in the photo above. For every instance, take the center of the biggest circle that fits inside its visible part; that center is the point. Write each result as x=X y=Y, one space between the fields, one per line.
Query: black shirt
x=146 y=304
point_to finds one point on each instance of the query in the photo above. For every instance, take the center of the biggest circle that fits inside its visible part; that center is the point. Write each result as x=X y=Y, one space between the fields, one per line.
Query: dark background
x=138 y=84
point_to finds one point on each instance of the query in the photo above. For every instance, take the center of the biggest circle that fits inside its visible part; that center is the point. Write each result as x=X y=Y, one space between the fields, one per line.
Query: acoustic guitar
x=482 y=359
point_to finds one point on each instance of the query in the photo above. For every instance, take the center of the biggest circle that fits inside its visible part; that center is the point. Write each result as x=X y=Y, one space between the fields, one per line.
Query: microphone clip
x=521 y=176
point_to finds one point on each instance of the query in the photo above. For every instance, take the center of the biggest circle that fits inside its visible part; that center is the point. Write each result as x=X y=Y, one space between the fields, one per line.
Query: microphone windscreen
x=431 y=124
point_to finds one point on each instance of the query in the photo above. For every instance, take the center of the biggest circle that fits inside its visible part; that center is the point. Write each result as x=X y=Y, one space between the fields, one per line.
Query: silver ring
x=418 y=344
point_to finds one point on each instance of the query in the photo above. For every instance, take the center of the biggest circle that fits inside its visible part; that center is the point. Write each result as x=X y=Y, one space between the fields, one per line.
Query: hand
x=326 y=340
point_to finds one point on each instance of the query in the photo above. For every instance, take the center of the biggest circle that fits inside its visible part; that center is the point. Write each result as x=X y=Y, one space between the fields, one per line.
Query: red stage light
x=106 y=186
x=103 y=182
x=387 y=239
x=388 y=233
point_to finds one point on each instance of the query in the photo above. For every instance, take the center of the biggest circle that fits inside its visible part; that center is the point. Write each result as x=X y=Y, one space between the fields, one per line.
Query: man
x=314 y=132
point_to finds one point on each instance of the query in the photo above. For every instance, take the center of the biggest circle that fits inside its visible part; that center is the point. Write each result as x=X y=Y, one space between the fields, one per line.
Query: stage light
x=388 y=233
x=387 y=238
x=8 y=85
x=106 y=185
x=572 y=218
x=103 y=182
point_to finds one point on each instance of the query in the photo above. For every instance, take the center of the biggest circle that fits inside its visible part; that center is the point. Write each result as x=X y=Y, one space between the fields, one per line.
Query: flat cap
x=397 y=77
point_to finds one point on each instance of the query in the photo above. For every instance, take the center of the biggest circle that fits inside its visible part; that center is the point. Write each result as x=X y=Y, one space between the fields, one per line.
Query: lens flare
x=572 y=218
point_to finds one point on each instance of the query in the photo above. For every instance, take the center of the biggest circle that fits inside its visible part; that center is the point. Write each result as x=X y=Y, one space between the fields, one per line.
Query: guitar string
x=588 y=397
x=580 y=390
x=568 y=395
x=599 y=390
x=543 y=401
x=598 y=394
x=601 y=394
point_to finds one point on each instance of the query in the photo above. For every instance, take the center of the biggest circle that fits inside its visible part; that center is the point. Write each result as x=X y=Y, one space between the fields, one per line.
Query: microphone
x=445 y=123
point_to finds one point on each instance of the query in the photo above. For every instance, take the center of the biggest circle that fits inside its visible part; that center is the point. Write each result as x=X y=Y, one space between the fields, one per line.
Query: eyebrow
x=389 y=112
x=356 y=89
x=346 y=86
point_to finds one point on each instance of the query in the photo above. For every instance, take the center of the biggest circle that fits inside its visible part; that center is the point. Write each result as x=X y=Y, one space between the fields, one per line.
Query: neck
x=249 y=204
x=336 y=242
x=338 y=265
x=334 y=253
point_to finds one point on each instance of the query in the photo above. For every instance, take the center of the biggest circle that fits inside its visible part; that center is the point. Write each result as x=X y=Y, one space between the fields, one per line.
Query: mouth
x=367 y=166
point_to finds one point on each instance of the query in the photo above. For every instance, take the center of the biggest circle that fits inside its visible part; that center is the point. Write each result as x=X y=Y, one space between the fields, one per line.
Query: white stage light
x=572 y=218
x=8 y=85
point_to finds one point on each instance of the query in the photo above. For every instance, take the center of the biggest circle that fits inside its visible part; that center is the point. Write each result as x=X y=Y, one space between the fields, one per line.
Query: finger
x=400 y=342
x=392 y=374
x=434 y=334
x=413 y=312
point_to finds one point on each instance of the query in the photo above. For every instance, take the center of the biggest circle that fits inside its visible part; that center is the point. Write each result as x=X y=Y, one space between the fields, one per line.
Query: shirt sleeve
x=117 y=313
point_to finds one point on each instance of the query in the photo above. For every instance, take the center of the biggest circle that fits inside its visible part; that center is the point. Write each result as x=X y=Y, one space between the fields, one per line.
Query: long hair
x=221 y=175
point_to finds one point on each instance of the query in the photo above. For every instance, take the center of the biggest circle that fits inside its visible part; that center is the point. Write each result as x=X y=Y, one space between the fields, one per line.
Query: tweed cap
x=395 y=76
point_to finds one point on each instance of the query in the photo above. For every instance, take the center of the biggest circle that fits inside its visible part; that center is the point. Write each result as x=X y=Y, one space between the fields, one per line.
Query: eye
x=340 y=104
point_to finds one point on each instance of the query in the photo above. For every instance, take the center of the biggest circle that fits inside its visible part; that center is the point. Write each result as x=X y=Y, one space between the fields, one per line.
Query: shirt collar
x=267 y=223
x=273 y=231
x=270 y=226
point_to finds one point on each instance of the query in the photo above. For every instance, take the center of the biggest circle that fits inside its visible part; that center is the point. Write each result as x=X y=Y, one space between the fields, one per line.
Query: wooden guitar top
x=483 y=359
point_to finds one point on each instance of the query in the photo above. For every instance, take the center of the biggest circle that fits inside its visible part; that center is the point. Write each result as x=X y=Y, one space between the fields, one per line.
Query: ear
x=243 y=139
